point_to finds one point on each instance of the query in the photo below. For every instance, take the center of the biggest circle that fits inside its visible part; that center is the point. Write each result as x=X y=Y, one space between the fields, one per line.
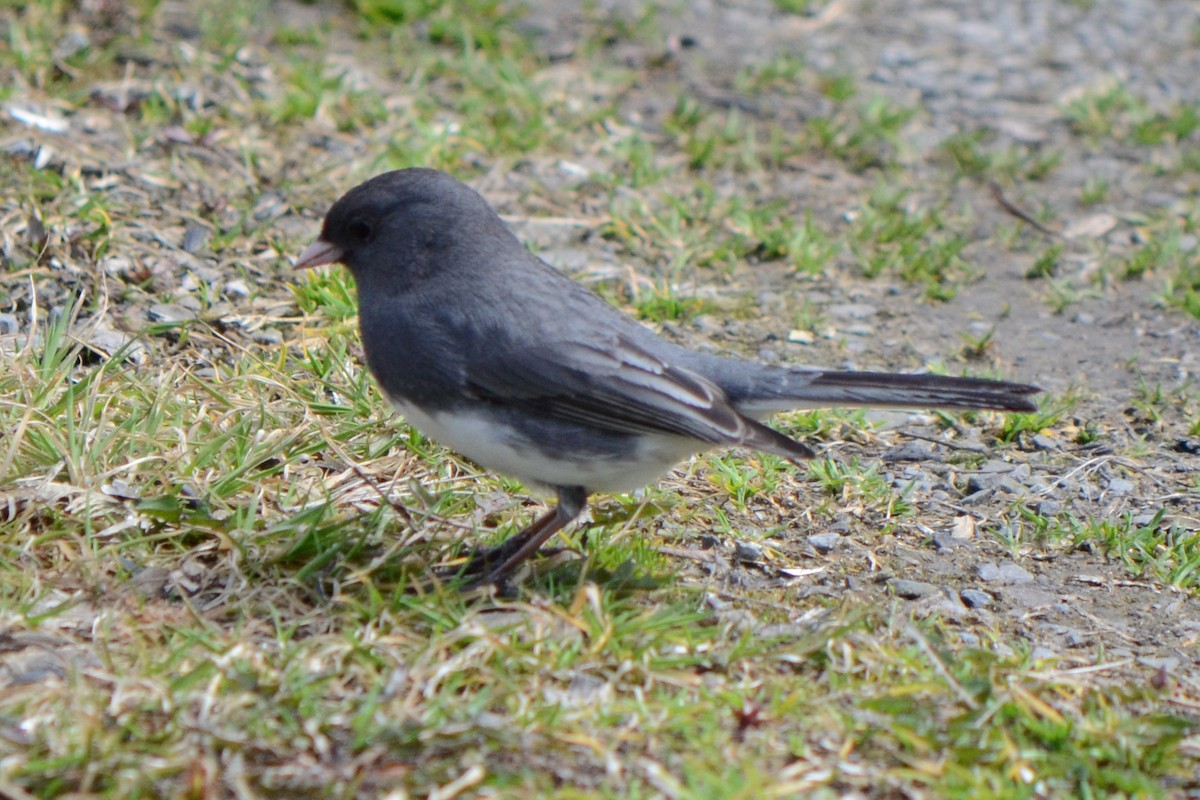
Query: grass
x=217 y=540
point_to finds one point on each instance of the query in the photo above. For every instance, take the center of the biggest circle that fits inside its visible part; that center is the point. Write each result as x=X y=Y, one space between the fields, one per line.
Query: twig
x=1018 y=213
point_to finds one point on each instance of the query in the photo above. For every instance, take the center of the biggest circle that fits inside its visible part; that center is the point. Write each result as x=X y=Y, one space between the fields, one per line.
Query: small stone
x=9 y=324
x=988 y=572
x=1189 y=446
x=1120 y=486
x=236 y=288
x=824 y=542
x=1074 y=637
x=747 y=553
x=1041 y=653
x=945 y=543
x=150 y=582
x=857 y=311
x=801 y=337
x=1048 y=508
x=170 y=313
x=1043 y=442
x=1168 y=663
x=1006 y=574
x=910 y=451
x=983 y=482
x=194 y=238
x=1030 y=596
x=267 y=336
x=913 y=590
x=963 y=527
x=974 y=598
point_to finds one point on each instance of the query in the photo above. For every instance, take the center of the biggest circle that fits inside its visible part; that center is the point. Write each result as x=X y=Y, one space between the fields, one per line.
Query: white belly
x=499 y=449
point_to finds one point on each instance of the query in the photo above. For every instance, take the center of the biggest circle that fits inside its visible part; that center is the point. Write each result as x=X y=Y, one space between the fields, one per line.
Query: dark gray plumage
x=488 y=349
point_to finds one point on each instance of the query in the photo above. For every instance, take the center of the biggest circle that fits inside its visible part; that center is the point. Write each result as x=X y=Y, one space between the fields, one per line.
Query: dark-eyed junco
x=484 y=347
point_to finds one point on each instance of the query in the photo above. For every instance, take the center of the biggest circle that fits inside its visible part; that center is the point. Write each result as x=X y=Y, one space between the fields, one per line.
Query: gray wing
x=614 y=383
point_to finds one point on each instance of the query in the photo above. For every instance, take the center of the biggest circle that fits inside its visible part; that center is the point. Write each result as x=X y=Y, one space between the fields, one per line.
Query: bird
x=484 y=347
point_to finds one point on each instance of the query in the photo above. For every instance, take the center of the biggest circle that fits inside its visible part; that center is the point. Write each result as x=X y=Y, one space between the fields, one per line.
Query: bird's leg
x=508 y=556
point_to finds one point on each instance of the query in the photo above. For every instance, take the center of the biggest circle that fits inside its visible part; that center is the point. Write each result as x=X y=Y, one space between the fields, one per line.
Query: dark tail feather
x=759 y=390
x=916 y=391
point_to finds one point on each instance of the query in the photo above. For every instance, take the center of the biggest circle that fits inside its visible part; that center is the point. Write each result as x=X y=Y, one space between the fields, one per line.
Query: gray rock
x=1041 y=653
x=974 y=598
x=946 y=543
x=1120 y=486
x=268 y=336
x=988 y=571
x=236 y=288
x=910 y=451
x=194 y=238
x=170 y=313
x=824 y=542
x=858 y=311
x=1048 y=508
x=1029 y=596
x=913 y=590
x=1073 y=637
x=747 y=553
x=1005 y=574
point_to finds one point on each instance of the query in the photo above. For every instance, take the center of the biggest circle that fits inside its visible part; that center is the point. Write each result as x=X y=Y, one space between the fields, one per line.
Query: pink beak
x=317 y=254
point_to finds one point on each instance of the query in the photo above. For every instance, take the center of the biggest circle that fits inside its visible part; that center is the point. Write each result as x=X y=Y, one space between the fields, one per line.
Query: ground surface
x=205 y=594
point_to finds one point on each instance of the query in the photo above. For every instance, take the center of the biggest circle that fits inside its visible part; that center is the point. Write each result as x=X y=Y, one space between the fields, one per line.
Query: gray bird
x=487 y=349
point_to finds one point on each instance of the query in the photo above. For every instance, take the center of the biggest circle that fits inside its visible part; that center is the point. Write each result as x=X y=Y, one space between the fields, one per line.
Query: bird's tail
x=758 y=390
x=896 y=390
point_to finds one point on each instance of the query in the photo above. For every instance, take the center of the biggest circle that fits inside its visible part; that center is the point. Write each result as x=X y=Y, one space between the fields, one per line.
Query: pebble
x=747 y=553
x=1029 y=596
x=910 y=451
x=1120 y=486
x=981 y=483
x=946 y=543
x=1041 y=653
x=1074 y=637
x=1043 y=442
x=9 y=324
x=170 y=313
x=858 y=311
x=1048 y=508
x=194 y=238
x=1168 y=663
x=824 y=542
x=236 y=288
x=109 y=341
x=1189 y=446
x=1006 y=574
x=974 y=598
x=913 y=590
x=267 y=336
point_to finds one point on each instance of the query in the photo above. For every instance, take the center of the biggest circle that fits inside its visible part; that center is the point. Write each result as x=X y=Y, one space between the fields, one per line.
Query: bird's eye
x=359 y=229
